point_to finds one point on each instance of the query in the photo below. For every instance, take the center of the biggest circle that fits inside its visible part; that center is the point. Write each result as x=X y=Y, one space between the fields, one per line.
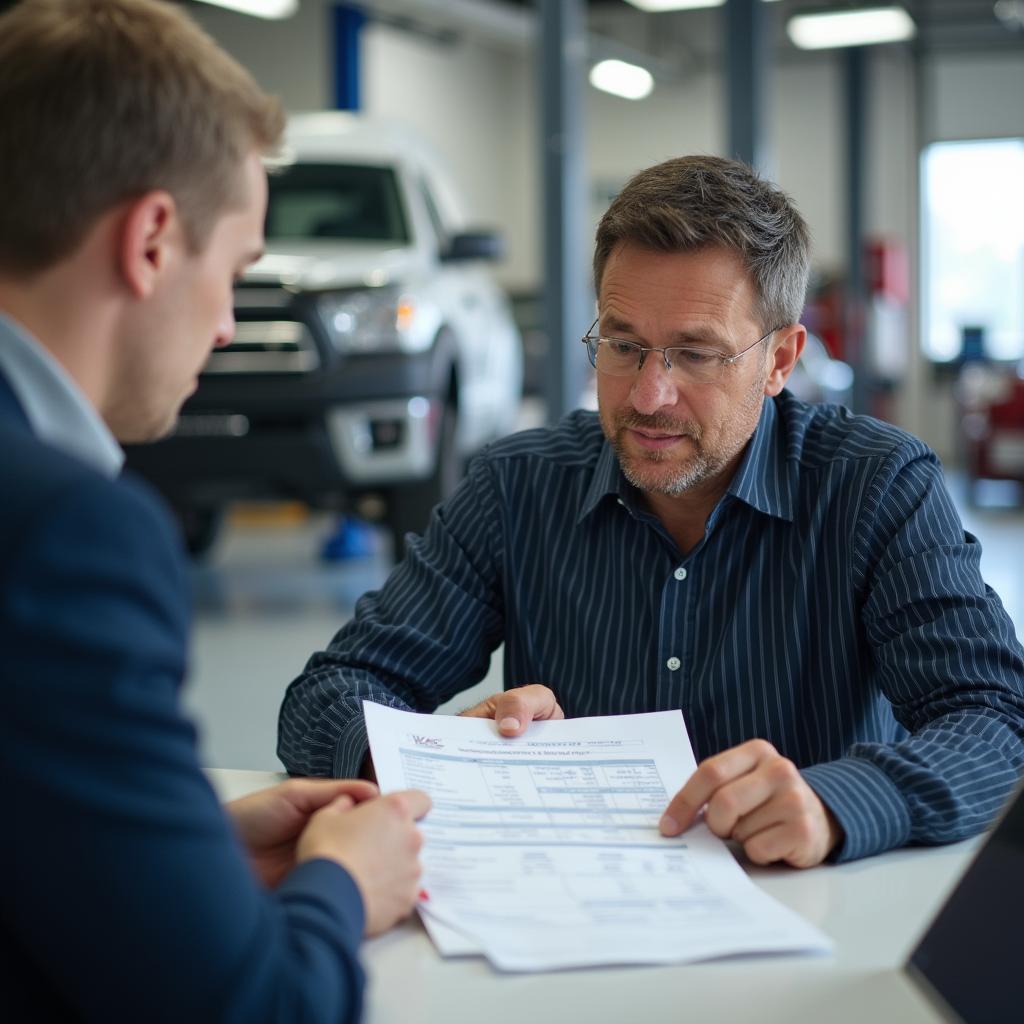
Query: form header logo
x=427 y=741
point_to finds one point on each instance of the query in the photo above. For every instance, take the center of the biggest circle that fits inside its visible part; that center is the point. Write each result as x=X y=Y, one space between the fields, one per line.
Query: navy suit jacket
x=124 y=893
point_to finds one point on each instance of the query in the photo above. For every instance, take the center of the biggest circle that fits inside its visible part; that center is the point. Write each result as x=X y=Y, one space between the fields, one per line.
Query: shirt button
x=680 y=574
x=673 y=664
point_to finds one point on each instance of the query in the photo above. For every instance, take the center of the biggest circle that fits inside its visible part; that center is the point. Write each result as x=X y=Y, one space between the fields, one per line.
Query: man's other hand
x=270 y=822
x=378 y=843
x=754 y=795
x=515 y=709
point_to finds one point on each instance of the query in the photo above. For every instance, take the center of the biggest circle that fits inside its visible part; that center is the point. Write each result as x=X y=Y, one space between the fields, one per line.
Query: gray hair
x=693 y=202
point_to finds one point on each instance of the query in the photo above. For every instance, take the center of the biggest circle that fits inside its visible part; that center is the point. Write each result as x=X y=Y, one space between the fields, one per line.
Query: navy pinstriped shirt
x=834 y=607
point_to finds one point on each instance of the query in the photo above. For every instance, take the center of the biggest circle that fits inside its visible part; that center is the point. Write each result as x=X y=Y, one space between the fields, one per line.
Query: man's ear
x=783 y=353
x=151 y=232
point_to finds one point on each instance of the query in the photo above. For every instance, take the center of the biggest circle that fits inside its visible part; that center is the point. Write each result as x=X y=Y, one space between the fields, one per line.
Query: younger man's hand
x=270 y=822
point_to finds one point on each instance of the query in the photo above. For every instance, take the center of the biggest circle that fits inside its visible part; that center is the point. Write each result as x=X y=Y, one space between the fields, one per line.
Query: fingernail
x=509 y=724
x=668 y=825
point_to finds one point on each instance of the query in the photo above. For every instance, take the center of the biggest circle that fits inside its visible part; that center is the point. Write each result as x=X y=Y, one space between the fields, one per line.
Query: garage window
x=973 y=248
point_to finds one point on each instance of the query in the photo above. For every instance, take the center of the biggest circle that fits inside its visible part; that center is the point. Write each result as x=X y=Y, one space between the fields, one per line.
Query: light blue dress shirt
x=57 y=411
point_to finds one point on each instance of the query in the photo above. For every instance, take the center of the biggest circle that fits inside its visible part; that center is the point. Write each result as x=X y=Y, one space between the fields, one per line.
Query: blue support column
x=747 y=25
x=856 y=298
x=346 y=24
x=567 y=305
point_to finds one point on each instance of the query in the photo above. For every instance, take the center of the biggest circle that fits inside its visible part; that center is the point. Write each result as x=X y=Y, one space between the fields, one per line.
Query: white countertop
x=874 y=910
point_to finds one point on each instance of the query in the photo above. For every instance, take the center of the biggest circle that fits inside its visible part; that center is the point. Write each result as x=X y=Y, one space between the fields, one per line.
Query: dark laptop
x=970 y=961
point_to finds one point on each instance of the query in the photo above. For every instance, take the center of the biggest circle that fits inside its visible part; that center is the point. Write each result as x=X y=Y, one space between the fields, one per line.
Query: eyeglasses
x=618 y=358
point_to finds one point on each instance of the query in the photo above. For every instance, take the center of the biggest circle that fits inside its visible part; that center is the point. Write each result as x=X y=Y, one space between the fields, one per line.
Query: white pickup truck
x=373 y=351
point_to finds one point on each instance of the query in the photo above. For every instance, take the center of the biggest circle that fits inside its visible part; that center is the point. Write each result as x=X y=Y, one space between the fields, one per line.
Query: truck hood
x=317 y=265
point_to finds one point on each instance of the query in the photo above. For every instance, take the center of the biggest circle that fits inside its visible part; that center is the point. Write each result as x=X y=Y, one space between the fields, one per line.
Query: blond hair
x=105 y=100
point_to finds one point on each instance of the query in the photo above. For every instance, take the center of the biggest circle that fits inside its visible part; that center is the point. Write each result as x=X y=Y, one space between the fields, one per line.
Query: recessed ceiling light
x=630 y=81
x=828 y=29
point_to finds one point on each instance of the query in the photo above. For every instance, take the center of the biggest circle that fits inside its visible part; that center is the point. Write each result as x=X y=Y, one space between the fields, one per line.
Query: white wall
x=974 y=96
x=288 y=58
x=474 y=104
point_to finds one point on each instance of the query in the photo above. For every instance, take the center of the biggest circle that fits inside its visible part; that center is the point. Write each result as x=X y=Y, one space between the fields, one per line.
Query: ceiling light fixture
x=272 y=10
x=630 y=81
x=657 y=6
x=866 y=27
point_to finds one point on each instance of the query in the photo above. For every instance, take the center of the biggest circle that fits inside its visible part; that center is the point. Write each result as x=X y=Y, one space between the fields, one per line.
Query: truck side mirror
x=474 y=245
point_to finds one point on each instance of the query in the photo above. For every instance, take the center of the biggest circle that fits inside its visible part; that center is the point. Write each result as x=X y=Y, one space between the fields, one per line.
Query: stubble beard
x=642 y=469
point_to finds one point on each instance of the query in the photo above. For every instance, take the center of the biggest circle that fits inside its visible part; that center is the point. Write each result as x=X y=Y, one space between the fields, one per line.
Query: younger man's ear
x=150 y=233
x=783 y=352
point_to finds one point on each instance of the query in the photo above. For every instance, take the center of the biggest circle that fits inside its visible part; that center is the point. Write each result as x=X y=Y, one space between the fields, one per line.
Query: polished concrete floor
x=265 y=602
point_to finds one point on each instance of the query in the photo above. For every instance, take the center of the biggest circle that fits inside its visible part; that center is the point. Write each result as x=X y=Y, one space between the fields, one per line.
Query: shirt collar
x=764 y=479
x=57 y=411
x=606 y=479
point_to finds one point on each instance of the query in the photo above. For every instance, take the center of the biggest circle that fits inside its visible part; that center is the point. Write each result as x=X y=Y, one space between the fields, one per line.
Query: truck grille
x=267 y=346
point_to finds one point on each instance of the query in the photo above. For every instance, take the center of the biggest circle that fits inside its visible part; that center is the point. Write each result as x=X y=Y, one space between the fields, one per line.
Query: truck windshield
x=350 y=201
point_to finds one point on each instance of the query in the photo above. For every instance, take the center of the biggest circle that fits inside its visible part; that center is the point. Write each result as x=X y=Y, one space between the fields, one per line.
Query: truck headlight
x=372 y=320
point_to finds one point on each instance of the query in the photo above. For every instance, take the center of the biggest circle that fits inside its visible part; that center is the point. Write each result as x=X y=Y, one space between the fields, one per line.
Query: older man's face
x=672 y=436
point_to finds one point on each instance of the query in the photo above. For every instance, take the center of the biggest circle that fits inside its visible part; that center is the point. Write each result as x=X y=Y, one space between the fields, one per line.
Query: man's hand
x=269 y=822
x=753 y=794
x=377 y=843
x=515 y=709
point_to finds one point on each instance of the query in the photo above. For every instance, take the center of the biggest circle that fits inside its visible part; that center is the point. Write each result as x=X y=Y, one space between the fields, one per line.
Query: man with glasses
x=794 y=578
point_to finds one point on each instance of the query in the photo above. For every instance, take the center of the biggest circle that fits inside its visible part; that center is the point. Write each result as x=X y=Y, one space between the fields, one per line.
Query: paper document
x=543 y=851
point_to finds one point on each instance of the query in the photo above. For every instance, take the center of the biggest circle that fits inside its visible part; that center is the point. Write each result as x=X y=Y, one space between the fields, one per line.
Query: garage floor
x=265 y=602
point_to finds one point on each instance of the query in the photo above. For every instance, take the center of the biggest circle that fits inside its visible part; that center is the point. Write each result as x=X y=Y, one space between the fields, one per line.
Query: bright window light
x=972 y=247
x=273 y=10
x=850 y=28
x=629 y=81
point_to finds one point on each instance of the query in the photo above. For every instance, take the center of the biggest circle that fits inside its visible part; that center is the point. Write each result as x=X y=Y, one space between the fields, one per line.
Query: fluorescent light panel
x=272 y=10
x=629 y=81
x=656 y=6
x=850 y=28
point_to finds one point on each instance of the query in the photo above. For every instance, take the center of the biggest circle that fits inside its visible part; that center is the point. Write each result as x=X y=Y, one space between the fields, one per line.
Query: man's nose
x=654 y=387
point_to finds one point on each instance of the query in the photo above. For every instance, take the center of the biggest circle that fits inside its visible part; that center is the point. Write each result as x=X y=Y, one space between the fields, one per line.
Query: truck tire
x=409 y=506
x=200 y=528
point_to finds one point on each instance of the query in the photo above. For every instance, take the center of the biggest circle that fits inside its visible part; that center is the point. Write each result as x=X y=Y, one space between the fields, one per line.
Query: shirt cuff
x=352 y=747
x=867 y=804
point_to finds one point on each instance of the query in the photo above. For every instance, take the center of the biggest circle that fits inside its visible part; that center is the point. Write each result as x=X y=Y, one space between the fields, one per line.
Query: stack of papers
x=543 y=851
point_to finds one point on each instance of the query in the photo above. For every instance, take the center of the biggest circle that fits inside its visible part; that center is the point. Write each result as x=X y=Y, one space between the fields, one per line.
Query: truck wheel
x=200 y=528
x=410 y=506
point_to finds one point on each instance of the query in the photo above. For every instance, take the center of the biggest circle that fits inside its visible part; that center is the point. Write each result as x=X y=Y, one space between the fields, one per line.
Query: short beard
x=701 y=466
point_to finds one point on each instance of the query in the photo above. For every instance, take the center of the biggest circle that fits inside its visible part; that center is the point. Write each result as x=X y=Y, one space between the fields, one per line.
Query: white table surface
x=874 y=910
